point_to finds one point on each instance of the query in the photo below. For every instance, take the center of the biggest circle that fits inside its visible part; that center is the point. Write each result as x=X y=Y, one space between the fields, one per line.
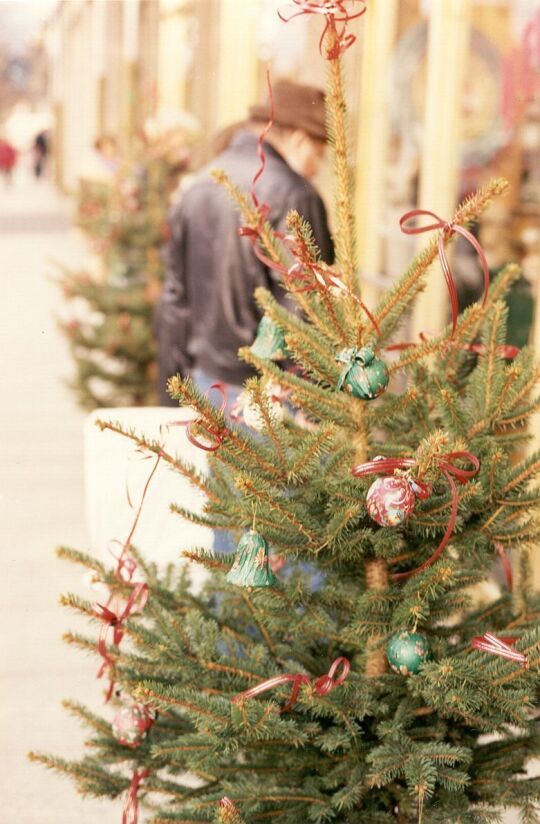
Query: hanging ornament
x=363 y=375
x=448 y=468
x=269 y=342
x=251 y=567
x=407 y=651
x=245 y=410
x=390 y=500
x=131 y=723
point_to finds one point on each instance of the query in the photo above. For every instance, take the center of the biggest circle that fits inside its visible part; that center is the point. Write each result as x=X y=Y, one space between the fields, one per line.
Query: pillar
x=237 y=66
x=448 y=45
x=380 y=24
x=174 y=54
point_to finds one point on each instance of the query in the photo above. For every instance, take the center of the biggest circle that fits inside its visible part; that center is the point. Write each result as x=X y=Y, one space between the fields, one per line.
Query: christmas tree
x=382 y=692
x=110 y=332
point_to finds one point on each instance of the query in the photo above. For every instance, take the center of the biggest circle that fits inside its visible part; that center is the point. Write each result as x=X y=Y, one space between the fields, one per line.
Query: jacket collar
x=246 y=140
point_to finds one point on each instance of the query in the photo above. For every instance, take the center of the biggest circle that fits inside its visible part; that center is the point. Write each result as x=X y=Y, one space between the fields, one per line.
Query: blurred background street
x=41 y=505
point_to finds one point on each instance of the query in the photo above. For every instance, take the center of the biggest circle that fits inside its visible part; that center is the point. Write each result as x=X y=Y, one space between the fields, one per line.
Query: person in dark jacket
x=207 y=310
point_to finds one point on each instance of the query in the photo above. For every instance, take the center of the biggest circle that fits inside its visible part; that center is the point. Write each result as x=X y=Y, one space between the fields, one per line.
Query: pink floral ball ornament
x=131 y=723
x=390 y=500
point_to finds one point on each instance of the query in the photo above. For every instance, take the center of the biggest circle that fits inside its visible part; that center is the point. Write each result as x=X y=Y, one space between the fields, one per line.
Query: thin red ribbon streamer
x=218 y=434
x=323 y=685
x=335 y=11
x=500 y=646
x=504 y=350
x=131 y=807
x=107 y=665
x=452 y=474
x=447 y=229
x=506 y=565
x=125 y=561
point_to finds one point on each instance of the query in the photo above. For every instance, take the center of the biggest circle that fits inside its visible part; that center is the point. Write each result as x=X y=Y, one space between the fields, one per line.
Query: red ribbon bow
x=335 y=11
x=218 y=434
x=452 y=474
x=135 y=604
x=447 y=229
x=323 y=685
x=500 y=646
x=131 y=807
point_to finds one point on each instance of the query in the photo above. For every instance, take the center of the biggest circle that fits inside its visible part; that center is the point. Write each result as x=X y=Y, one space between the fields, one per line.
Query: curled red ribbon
x=447 y=229
x=335 y=12
x=323 y=685
x=500 y=646
x=253 y=233
x=218 y=434
x=131 y=807
x=452 y=474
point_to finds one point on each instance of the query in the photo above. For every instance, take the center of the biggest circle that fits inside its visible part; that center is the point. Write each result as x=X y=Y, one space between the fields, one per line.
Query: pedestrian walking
x=207 y=310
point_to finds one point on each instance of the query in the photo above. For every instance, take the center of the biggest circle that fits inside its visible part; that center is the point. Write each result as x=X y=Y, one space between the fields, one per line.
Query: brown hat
x=295 y=106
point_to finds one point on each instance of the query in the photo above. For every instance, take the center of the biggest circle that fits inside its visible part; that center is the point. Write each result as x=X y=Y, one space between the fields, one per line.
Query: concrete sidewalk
x=41 y=506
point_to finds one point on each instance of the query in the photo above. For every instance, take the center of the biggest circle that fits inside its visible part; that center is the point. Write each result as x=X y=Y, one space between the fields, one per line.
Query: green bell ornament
x=269 y=342
x=251 y=567
x=407 y=651
x=363 y=375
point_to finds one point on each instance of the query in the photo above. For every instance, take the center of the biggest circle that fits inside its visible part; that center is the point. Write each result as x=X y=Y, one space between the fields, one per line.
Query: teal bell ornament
x=407 y=651
x=251 y=567
x=269 y=342
x=363 y=375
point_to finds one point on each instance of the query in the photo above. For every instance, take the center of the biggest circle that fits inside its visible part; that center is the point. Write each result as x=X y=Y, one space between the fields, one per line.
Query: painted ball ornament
x=131 y=723
x=390 y=500
x=407 y=651
x=363 y=375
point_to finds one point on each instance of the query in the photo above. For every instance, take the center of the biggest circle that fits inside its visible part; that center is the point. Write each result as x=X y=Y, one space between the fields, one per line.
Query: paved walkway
x=41 y=506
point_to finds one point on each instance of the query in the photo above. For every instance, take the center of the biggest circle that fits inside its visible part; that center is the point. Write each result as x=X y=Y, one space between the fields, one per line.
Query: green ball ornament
x=251 y=567
x=407 y=651
x=269 y=342
x=363 y=375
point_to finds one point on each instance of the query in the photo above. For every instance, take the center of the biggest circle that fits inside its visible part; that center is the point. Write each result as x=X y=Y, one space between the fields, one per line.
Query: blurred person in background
x=102 y=163
x=8 y=159
x=40 y=151
x=207 y=310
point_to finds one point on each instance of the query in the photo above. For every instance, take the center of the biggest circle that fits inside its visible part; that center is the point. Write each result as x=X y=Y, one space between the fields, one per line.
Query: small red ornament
x=390 y=500
x=131 y=724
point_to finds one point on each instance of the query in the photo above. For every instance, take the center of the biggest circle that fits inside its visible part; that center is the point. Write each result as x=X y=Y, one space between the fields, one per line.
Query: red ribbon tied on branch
x=500 y=646
x=447 y=230
x=337 y=18
x=131 y=807
x=452 y=473
x=323 y=685
x=135 y=604
x=218 y=434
